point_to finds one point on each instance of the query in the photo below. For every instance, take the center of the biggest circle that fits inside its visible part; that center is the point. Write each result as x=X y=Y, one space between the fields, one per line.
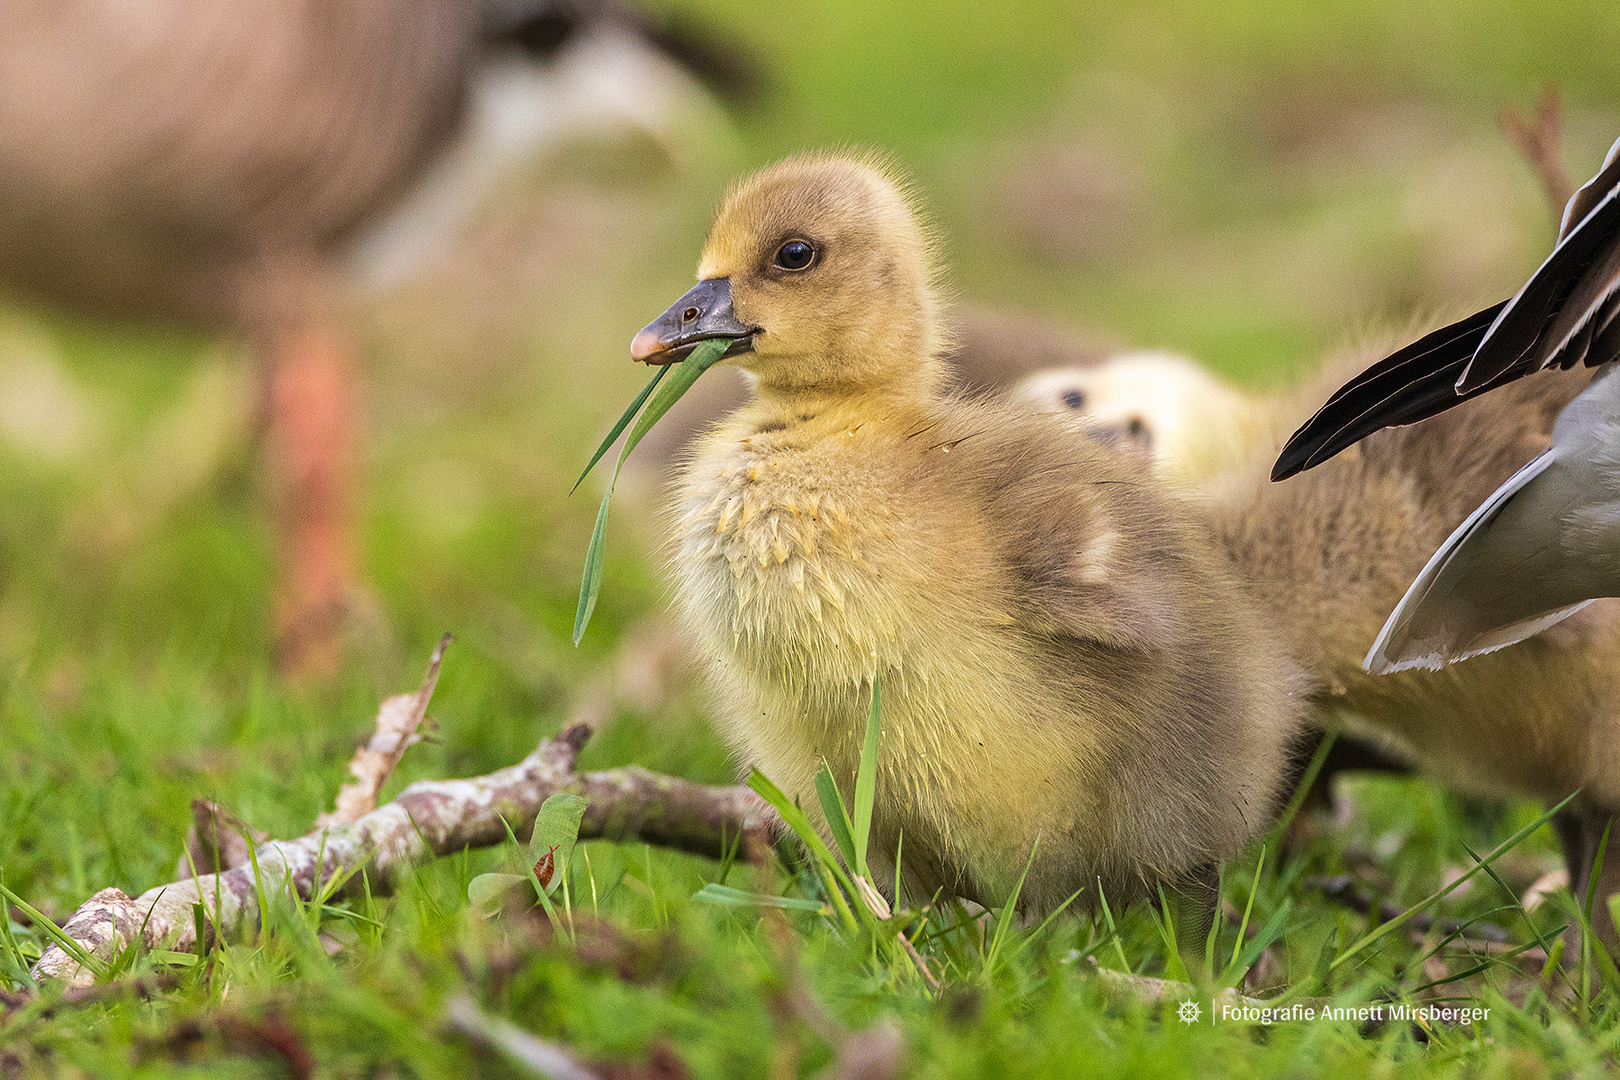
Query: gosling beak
x=703 y=313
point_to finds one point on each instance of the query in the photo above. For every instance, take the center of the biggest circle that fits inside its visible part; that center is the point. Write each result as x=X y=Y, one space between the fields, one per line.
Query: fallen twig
x=429 y=818
x=399 y=727
x=533 y=1054
x=1541 y=142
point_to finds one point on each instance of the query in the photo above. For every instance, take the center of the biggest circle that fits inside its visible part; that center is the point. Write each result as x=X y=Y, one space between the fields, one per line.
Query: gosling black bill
x=703 y=314
x=1566 y=314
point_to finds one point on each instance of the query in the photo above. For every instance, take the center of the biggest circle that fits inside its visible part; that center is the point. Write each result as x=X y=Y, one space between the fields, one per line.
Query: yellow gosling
x=1064 y=651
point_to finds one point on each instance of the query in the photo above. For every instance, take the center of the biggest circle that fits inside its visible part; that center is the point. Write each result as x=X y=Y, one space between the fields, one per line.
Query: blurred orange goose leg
x=311 y=462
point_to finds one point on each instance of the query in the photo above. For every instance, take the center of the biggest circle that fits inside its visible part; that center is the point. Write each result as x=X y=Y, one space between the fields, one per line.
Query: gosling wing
x=1564 y=315
x=1536 y=552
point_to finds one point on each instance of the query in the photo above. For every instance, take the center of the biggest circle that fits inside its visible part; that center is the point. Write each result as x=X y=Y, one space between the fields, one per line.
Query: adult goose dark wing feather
x=1564 y=315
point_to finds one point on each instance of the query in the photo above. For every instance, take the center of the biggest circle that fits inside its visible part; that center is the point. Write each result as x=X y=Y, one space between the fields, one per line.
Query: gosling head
x=1133 y=396
x=1158 y=404
x=820 y=273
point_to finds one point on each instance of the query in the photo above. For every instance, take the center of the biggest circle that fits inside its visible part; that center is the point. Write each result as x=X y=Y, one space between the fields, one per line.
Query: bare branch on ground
x=399 y=727
x=428 y=819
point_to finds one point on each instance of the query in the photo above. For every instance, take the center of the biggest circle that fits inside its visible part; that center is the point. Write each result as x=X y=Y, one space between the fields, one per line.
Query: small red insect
x=546 y=866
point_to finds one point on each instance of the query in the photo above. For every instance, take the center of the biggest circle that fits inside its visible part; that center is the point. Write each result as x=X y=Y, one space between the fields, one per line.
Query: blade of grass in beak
x=687 y=371
x=623 y=422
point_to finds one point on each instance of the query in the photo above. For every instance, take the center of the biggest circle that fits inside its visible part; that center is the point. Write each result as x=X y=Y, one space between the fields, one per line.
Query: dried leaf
x=545 y=867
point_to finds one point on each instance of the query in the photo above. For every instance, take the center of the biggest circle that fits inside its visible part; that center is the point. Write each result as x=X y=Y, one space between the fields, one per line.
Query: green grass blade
x=837 y=882
x=1586 y=923
x=258 y=891
x=899 y=871
x=1164 y=921
x=832 y=805
x=1008 y=910
x=794 y=818
x=591 y=582
x=1489 y=962
x=726 y=896
x=127 y=955
x=78 y=952
x=623 y=422
x=173 y=959
x=686 y=373
x=1269 y=932
x=534 y=881
x=727 y=860
x=1535 y=931
x=1212 y=939
x=866 y=782
x=1047 y=922
x=1248 y=909
x=13 y=951
x=1113 y=931
x=1597 y=871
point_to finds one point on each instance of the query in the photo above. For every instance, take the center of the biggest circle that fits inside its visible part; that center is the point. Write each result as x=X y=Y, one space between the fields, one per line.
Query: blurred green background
x=1252 y=183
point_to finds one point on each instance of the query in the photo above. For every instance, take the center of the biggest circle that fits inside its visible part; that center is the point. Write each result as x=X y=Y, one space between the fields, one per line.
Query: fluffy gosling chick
x=1193 y=426
x=1062 y=650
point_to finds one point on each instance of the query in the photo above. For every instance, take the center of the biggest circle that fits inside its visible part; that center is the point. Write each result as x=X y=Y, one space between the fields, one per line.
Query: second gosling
x=1193 y=426
x=1063 y=651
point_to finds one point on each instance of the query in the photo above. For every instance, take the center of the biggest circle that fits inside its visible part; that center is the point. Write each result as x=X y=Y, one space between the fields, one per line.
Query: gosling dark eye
x=795 y=255
x=1138 y=433
x=1074 y=399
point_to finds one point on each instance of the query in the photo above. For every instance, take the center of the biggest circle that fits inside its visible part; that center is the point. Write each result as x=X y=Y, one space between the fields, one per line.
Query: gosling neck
x=818 y=386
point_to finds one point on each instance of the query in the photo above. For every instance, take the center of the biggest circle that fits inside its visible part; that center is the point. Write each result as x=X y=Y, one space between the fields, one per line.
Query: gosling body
x=1053 y=657
x=1063 y=650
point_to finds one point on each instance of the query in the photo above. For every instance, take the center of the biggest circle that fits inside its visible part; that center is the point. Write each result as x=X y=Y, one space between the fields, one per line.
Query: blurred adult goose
x=215 y=163
x=1062 y=650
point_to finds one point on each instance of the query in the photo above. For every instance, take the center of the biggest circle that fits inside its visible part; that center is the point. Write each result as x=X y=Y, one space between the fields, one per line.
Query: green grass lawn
x=1252 y=183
